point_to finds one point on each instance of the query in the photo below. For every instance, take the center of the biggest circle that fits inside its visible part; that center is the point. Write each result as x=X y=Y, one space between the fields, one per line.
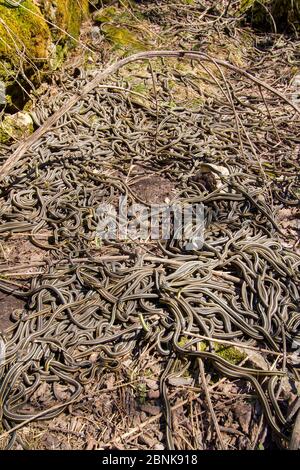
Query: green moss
x=3 y=137
x=187 y=374
x=94 y=119
x=229 y=353
x=230 y=49
x=8 y=100
x=141 y=393
x=67 y=15
x=7 y=72
x=106 y=14
x=76 y=12
x=183 y=341
x=202 y=346
x=122 y=38
x=122 y=27
x=22 y=30
x=246 y=4
x=140 y=88
x=118 y=15
x=148 y=373
x=26 y=41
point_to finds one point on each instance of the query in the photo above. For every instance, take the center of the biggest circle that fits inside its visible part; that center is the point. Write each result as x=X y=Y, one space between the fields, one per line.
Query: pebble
x=159 y=447
x=152 y=384
x=151 y=409
x=153 y=394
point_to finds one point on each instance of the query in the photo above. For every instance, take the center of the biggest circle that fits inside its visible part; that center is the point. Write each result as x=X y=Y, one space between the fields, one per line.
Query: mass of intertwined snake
x=113 y=297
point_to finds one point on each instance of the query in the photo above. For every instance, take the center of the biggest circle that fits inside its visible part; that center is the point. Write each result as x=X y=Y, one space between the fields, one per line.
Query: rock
x=30 y=41
x=23 y=30
x=159 y=447
x=94 y=357
x=153 y=394
x=150 y=409
x=16 y=126
x=181 y=381
x=243 y=412
x=67 y=15
x=152 y=384
x=255 y=358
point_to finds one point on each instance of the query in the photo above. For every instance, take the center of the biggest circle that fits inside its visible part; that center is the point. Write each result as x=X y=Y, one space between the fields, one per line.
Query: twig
x=7 y=269
x=232 y=343
x=295 y=439
x=254 y=444
x=156 y=106
x=210 y=405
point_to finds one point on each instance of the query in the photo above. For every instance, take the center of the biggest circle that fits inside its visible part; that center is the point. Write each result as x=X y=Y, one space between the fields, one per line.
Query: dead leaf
x=150 y=409
x=243 y=412
x=110 y=382
x=180 y=381
x=60 y=391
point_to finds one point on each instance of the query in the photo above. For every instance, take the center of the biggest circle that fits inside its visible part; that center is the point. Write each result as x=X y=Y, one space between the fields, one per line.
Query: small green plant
x=142 y=393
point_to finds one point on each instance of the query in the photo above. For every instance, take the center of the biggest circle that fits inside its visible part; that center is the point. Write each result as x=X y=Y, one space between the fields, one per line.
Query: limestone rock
x=35 y=35
x=16 y=126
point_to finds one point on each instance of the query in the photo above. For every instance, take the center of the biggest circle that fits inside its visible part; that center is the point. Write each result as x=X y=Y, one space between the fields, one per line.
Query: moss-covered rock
x=16 y=126
x=66 y=17
x=33 y=36
x=230 y=353
x=106 y=14
x=123 y=29
x=122 y=38
x=23 y=32
x=25 y=42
